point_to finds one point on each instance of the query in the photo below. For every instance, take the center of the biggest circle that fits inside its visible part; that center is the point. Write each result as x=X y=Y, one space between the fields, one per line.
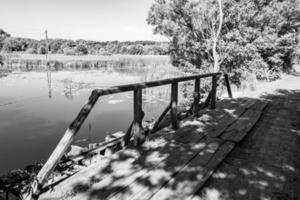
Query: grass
x=35 y=62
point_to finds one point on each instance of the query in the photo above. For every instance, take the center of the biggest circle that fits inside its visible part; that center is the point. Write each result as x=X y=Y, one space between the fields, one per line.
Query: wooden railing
x=137 y=129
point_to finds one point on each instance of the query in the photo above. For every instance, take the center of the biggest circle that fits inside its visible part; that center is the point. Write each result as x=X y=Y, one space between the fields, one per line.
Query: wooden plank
x=174 y=100
x=192 y=177
x=249 y=102
x=213 y=92
x=138 y=134
x=224 y=123
x=196 y=97
x=259 y=105
x=61 y=148
x=237 y=131
x=130 y=87
x=228 y=85
x=125 y=162
x=150 y=183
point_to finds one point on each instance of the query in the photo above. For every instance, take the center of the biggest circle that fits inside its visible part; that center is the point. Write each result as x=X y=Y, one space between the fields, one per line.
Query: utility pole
x=47 y=66
x=47 y=46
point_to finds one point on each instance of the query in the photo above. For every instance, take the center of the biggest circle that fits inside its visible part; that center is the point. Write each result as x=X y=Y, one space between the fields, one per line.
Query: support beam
x=213 y=92
x=228 y=85
x=61 y=148
x=138 y=134
x=196 y=97
x=174 y=101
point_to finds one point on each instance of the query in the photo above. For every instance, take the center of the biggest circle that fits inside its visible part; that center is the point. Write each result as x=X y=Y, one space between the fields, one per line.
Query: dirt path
x=266 y=165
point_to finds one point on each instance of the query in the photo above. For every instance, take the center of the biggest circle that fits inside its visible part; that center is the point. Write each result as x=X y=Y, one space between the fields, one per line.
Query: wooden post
x=228 y=86
x=174 y=99
x=138 y=135
x=61 y=148
x=213 y=92
x=196 y=97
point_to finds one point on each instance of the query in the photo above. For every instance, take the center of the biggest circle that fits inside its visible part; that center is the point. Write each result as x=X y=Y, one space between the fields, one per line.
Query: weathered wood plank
x=237 y=131
x=174 y=100
x=228 y=85
x=146 y=186
x=138 y=134
x=225 y=122
x=214 y=92
x=259 y=105
x=196 y=97
x=62 y=146
x=130 y=87
x=193 y=176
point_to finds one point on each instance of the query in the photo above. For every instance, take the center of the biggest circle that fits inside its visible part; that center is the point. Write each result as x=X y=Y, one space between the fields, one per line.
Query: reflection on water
x=36 y=108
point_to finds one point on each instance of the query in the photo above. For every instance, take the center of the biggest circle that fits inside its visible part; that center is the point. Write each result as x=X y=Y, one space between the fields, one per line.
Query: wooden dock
x=170 y=164
x=242 y=148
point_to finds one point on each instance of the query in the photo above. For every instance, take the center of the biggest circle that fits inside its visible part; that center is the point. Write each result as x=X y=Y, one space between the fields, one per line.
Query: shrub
x=69 y=51
x=42 y=50
x=31 y=51
x=81 y=50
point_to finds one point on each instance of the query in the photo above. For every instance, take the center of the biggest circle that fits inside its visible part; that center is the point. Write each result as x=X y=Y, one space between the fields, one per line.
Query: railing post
x=174 y=100
x=138 y=135
x=196 y=97
x=228 y=85
x=213 y=92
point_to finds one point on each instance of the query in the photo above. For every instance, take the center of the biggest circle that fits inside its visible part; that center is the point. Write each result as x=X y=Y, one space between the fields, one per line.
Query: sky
x=99 y=20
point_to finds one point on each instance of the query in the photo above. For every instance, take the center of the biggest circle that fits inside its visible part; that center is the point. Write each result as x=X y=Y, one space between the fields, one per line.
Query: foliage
x=3 y=36
x=42 y=50
x=259 y=37
x=69 y=51
x=31 y=51
x=82 y=47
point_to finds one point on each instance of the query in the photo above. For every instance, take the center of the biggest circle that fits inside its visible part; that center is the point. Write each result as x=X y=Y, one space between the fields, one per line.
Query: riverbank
x=55 y=62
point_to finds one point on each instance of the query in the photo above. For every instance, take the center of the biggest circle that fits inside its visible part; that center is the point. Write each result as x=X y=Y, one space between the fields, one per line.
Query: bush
x=81 y=50
x=69 y=51
x=42 y=50
x=31 y=51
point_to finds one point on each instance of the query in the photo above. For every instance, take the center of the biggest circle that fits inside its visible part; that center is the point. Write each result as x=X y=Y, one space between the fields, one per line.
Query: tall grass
x=28 y=62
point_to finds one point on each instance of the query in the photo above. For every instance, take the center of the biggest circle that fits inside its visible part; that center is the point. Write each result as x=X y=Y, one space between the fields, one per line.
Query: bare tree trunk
x=215 y=39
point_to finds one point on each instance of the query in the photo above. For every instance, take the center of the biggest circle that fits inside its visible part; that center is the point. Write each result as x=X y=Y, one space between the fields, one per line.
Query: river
x=36 y=109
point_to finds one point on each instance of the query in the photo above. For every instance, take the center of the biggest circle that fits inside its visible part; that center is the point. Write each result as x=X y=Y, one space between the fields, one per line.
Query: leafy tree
x=42 y=50
x=258 y=37
x=81 y=49
x=3 y=36
x=12 y=44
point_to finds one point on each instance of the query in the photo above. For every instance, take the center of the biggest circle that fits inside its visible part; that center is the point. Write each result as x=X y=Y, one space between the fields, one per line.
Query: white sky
x=78 y=19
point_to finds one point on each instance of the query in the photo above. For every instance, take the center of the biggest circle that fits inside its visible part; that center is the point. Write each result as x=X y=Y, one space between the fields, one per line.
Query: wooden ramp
x=171 y=164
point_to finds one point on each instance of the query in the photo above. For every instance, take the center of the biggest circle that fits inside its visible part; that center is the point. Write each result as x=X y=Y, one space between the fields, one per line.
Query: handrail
x=138 y=135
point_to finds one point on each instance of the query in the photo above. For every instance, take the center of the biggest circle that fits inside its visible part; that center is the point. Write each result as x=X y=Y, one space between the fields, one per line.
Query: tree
x=258 y=37
x=3 y=36
x=42 y=50
x=81 y=49
x=12 y=44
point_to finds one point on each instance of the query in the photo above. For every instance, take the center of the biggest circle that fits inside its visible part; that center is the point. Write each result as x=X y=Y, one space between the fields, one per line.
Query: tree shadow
x=264 y=165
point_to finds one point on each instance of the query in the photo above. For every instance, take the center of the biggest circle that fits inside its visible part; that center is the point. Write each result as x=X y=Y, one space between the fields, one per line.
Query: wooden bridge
x=173 y=162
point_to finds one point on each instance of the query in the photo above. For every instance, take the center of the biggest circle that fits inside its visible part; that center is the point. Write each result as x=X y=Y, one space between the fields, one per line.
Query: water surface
x=36 y=109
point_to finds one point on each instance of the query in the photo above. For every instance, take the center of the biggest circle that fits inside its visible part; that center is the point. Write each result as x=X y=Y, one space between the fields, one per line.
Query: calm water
x=35 y=110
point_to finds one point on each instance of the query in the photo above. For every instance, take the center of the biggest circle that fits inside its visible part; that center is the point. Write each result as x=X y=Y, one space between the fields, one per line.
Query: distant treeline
x=80 y=47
